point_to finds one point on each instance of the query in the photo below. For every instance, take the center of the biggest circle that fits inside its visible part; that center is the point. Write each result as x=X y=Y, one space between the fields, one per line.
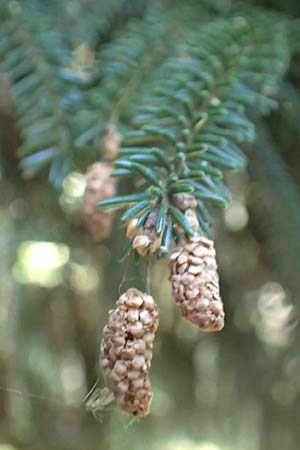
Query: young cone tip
x=111 y=141
x=195 y=284
x=145 y=240
x=126 y=350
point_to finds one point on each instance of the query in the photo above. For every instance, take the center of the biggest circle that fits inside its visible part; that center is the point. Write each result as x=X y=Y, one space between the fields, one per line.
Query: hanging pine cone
x=195 y=284
x=111 y=142
x=126 y=350
x=99 y=186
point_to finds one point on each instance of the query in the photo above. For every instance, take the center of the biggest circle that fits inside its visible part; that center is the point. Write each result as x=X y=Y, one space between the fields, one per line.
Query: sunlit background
x=235 y=390
x=238 y=389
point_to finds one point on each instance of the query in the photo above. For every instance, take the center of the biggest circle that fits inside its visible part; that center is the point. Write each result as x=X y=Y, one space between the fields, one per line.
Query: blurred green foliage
x=237 y=390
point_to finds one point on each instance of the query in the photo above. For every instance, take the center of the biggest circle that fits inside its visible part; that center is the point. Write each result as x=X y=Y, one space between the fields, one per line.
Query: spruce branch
x=31 y=62
x=178 y=89
x=122 y=67
x=279 y=216
x=49 y=68
x=188 y=127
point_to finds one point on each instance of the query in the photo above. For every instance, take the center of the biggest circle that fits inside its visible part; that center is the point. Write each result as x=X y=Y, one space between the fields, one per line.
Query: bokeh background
x=235 y=390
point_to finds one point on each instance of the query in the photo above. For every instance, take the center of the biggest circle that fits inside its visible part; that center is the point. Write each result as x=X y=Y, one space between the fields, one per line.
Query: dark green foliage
x=178 y=84
x=279 y=216
x=194 y=112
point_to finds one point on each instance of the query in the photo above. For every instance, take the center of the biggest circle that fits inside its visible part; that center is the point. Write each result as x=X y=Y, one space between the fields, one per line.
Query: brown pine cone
x=126 y=350
x=195 y=284
x=99 y=186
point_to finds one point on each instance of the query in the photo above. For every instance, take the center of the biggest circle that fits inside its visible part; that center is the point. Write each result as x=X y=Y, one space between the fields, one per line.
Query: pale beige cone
x=99 y=186
x=111 y=142
x=195 y=284
x=126 y=350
